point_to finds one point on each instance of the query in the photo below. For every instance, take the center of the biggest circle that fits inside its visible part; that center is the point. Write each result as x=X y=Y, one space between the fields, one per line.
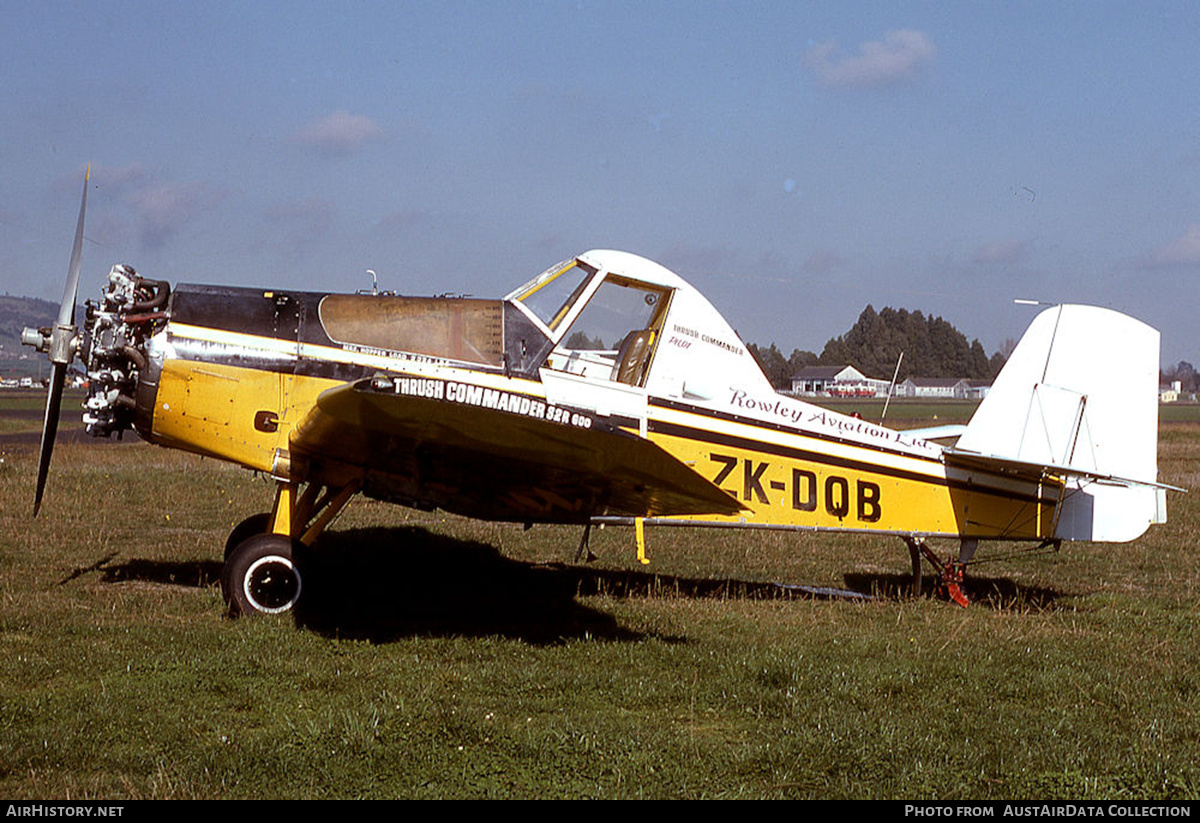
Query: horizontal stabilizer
x=1033 y=471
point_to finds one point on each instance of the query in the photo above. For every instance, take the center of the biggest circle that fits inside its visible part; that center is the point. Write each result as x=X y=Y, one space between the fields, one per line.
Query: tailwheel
x=950 y=571
x=263 y=575
x=951 y=584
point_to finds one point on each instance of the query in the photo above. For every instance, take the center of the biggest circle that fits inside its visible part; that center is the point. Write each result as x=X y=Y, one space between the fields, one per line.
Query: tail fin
x=1080 y=396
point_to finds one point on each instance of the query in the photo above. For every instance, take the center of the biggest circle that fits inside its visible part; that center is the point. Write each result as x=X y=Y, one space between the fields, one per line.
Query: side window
x=614 y=336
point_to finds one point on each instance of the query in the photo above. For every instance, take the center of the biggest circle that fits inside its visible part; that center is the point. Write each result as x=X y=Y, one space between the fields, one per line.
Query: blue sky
x=793 y=160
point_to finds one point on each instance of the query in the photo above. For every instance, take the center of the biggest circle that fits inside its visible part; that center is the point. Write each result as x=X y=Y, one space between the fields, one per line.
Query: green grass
x=903 y=413
x=15 y=400
x=1179 y=412
x=441 y=657
x=22 y=410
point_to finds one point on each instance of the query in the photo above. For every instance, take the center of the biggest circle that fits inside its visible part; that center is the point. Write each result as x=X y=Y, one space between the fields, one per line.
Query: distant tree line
x=932 y=347
x=776 y=367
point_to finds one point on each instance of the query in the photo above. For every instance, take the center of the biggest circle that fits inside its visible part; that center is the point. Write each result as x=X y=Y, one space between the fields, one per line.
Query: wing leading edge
x=495 y=455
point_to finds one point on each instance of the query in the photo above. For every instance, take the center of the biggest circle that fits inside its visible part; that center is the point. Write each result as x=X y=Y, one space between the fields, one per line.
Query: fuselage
x=237 y=374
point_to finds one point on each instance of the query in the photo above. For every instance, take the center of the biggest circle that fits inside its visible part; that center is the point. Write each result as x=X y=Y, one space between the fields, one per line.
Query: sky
x=795 y=161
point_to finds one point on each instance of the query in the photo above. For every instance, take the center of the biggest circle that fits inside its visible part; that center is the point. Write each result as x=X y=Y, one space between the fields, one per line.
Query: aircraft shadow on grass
x=983 y=592
x=381 y=584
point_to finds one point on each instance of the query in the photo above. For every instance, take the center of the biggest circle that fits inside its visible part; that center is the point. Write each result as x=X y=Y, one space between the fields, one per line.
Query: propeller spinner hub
x=64 y=342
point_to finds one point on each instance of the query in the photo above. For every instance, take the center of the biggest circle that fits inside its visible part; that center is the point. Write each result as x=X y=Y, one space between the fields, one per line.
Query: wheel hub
x=272 y=584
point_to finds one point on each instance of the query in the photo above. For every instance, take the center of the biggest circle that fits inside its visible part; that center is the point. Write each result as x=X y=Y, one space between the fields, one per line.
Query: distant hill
x=15 y=314
x=18 y=312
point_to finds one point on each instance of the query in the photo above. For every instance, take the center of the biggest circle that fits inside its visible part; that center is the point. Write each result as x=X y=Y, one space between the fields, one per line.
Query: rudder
x=1080 y=394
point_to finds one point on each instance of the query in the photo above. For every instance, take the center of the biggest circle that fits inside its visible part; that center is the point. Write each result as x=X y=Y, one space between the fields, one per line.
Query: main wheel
x=262 y=575
x=254 y=524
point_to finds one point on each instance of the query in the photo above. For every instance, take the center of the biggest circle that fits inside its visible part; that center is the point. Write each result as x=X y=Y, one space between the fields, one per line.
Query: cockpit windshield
x=618 y=307
x=551 y=296
x=605 y=328
x=614 y=337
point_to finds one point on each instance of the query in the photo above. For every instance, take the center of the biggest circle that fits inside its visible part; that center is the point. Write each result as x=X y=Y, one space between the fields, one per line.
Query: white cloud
x=1003 y=251
x=128 y=201
x=1182 y=251
x=339 y=133
x=162 y=208
x=897 y=57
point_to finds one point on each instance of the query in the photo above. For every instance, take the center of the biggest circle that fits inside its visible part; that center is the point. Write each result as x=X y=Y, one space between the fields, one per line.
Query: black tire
x=262 y=575
x=254 y=524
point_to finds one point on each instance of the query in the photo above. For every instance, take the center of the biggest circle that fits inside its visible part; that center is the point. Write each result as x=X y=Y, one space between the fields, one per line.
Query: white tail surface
x=1080 y=394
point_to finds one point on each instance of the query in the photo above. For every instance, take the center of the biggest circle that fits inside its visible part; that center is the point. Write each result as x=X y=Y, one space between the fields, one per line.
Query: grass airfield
x=439 y=657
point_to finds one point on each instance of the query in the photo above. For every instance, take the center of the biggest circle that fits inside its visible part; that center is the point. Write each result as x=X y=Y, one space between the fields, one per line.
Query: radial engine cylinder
x=116 y=330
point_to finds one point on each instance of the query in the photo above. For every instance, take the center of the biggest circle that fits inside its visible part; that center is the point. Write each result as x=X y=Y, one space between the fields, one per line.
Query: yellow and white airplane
x=606 y=390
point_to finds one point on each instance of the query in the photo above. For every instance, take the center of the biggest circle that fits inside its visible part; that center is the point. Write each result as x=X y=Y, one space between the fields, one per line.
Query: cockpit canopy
x=614 y=316
x=604 y=326
x=605 y=318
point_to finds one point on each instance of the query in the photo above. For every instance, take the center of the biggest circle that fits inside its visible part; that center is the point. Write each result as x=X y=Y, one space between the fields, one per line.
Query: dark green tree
x=778 y=369
x=932 y=347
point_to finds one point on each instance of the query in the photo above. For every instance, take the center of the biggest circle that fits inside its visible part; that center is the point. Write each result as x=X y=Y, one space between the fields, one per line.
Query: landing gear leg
x=914 y=554
x=265 y=553
x=585 y=550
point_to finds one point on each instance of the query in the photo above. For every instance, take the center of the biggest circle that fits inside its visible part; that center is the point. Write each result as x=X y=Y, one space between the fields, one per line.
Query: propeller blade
x=61 y=351
x=58 y=377
x=66 y=311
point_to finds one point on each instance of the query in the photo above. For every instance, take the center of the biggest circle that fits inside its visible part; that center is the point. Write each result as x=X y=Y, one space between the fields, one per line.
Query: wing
x=497 y=456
